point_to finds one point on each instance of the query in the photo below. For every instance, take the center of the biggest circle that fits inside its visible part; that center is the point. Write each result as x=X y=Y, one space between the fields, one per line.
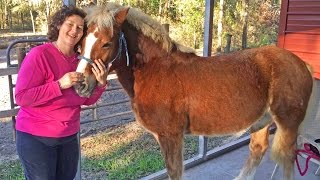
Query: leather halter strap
x=122 y=42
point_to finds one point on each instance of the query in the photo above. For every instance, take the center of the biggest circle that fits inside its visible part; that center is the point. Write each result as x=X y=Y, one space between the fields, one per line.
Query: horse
x=174 y=92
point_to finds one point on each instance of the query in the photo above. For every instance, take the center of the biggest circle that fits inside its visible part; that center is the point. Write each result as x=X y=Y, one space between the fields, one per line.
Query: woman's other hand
x=101 y=72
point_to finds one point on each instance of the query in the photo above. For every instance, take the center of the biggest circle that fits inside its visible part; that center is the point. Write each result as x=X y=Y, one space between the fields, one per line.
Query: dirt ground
x=7 y=145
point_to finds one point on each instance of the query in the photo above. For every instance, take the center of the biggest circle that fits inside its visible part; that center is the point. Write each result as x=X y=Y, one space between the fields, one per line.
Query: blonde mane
x=103 y=16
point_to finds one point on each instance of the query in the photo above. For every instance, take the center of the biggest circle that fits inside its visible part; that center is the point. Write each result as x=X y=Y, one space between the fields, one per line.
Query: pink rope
x=310 y=155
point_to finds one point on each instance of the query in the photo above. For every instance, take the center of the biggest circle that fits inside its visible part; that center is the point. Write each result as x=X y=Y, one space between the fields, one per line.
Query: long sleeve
x=45 y=110
x=31 y=87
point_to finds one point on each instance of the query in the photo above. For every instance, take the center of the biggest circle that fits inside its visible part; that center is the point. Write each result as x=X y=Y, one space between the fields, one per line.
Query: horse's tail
x=284 y=143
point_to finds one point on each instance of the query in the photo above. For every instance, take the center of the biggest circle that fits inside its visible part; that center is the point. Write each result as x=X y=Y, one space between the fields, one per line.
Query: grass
x=11 y=171
x=122 y=165
x=126 y=152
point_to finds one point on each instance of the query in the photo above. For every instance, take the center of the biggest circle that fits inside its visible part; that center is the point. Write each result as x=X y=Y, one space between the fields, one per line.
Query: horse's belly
x=218 y=127
x=223 y=122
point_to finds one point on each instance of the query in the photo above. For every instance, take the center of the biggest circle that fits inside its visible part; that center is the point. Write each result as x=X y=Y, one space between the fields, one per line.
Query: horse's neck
x=142 y=48
x=126 y=79
x=141 y=51
x=150 y=50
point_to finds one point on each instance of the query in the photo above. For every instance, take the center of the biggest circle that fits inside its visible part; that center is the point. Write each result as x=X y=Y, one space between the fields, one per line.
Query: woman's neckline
x=54 y=43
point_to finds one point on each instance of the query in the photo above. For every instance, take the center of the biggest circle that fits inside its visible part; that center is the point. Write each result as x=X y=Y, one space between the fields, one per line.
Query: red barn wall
x=299 y=30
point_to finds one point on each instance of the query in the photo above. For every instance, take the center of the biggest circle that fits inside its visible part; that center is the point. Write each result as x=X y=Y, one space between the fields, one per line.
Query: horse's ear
x=121 y=15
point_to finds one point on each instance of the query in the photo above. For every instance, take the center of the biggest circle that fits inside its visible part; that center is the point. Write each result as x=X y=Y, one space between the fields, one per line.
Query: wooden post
x=228 y=46
x=21 y=53
x=166 y=27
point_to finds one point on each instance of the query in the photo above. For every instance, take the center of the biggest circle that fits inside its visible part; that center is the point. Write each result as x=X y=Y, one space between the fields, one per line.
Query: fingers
x=99 y=66
x=76 y=77
x=100 y=71
x=70 y=79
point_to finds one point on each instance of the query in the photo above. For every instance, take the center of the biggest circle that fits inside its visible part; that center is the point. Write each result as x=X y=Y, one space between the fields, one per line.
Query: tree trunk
x=22 y=21
x=195 y=45
x=166 y=10
x=219 y=33
x=228 y=46
x=1 y=20
x=160 y=10
x=48 y=12
x=33 y=25
x=6 y=16
x=10 y=20
x=245 y=23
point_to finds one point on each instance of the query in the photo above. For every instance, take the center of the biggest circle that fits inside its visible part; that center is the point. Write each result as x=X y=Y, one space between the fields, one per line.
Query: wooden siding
x=299 y=30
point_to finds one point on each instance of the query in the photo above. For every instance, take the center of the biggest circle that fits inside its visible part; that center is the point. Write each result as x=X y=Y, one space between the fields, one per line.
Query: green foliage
x=186 y=18
x=264 y=23
x=188 y=22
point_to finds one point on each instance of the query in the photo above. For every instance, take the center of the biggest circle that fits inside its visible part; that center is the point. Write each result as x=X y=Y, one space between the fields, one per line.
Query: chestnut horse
x=174 y=92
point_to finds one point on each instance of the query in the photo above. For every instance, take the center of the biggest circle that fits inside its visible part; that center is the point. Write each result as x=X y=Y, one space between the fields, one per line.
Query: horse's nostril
x=84 y=87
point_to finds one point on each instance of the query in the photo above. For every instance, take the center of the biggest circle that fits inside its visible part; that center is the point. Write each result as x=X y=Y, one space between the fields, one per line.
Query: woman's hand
x=70 y=79
x=101 y=72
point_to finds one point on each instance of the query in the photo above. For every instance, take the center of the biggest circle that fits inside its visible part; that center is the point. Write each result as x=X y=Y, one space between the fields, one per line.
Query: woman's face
x=71 y=30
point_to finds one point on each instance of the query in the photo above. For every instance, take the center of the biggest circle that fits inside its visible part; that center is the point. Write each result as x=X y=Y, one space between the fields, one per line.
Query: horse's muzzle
x=82 y=90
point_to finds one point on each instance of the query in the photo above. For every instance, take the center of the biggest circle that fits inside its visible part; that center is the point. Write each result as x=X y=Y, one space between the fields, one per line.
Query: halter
x=122 y=40
x=86 y=59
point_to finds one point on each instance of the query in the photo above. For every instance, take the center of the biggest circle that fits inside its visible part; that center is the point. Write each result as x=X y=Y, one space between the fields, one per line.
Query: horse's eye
x=107 y=45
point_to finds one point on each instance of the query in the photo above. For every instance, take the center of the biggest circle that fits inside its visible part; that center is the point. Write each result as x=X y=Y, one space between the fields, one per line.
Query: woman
x=49 y=117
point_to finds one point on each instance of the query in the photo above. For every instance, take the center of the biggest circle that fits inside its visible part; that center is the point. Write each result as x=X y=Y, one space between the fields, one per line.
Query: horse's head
x=101 y=42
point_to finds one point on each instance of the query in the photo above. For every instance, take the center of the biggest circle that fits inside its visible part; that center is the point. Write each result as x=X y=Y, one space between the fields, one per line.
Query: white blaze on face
x=90 y=40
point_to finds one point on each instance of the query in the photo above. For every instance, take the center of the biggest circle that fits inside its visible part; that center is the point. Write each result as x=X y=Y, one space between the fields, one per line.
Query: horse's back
x=233 y=91
x=224 y=94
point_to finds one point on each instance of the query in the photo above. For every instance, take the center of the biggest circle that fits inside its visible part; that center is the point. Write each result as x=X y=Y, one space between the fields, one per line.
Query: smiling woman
x=49 y=117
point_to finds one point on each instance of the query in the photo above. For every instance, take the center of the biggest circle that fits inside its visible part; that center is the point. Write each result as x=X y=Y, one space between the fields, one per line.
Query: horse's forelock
x=101 y=16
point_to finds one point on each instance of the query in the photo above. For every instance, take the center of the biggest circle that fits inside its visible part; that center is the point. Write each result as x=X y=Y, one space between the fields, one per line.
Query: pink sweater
x=45 y=110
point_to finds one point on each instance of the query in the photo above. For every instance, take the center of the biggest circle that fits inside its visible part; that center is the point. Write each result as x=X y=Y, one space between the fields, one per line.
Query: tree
x=244 y=23
x=189 y=22
x=220 y=20
x=38 y=10
x=24 y=7
x=7 y=12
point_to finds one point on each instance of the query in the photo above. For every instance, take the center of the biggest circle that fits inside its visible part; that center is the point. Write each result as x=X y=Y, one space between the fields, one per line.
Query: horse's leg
x=171 y=148
x=259 y=143
x=283 y=148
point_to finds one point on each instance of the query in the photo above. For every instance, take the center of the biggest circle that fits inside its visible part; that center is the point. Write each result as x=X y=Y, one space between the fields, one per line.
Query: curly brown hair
x=59 y=17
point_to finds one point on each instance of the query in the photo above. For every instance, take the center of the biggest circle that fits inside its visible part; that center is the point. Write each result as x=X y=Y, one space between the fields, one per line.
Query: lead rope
x=122 y=39
x=310 y=154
